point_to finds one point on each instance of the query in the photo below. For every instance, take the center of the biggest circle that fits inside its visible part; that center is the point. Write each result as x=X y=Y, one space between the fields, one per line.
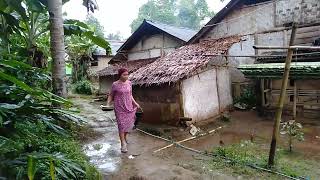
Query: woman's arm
x=110 y=99
x=135 y=102
x=111 y=95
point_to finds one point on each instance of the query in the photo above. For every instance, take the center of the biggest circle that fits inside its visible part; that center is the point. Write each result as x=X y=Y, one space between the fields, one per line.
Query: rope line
x=205 y=153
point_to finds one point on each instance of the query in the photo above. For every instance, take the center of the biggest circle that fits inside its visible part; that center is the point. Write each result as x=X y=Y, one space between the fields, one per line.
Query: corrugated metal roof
x=151 y=28
x=114 y=45
x=299 y=57
x=182 y=33
x=275 y=70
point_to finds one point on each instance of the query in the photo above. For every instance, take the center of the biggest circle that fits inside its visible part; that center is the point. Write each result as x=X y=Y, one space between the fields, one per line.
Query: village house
x=169 y=90
x=260 y=22
x=100 y=57
x=150 y=41
x=267 y=23
x=187 y=84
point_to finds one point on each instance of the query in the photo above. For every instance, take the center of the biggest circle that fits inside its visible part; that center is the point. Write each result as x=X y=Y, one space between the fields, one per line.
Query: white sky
x=116 y=15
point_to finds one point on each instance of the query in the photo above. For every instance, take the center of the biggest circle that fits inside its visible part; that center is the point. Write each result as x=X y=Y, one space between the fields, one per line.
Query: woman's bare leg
x=125 y=137
x=123 y=141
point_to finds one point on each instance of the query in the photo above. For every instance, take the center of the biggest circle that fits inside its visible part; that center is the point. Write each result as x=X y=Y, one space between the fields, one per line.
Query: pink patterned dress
x=123 y=105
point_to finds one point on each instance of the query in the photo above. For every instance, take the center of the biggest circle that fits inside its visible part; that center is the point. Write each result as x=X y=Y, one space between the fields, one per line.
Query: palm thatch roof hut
x=191 y=82
x=149 y=42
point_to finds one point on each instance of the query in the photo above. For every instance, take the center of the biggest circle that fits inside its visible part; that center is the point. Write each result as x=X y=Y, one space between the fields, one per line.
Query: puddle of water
x=97 y=149
x=105 y=156
x=109 y=166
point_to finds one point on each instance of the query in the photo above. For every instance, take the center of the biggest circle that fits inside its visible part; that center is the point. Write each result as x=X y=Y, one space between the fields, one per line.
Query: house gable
x=153 y=40
x=252 y=16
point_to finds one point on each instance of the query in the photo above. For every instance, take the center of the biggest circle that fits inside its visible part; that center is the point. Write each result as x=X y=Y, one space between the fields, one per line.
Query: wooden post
x=276 y=126
x=262 y=92
x=294 y=100
x=181 y=105
x=237 y=89
x=218 y=95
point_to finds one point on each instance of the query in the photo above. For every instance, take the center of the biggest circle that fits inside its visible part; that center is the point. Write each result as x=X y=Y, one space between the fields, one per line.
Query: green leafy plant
x=83 y=87
x=247 y=99
x=97 y=147
x=294 y=131
x=37 y=144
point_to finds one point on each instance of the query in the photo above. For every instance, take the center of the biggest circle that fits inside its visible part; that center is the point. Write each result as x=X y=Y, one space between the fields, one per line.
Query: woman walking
x=125 y=106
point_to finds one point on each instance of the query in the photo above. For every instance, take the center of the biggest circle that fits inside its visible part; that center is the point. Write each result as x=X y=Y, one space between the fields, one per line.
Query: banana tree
x=30 y=19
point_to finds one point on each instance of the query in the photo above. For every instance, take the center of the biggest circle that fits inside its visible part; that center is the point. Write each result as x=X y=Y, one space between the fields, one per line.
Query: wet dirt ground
x=174 y=162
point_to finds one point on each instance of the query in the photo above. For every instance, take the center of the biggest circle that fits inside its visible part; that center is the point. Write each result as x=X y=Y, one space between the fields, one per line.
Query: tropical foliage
x=83 y=87
x=36 y=140
x=38 y=143
x=185 y=13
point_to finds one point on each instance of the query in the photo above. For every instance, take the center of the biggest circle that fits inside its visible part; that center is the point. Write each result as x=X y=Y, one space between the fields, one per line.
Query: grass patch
x=292 y=164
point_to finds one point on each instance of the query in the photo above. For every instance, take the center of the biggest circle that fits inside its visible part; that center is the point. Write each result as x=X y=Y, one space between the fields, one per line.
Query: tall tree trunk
x=57 y=47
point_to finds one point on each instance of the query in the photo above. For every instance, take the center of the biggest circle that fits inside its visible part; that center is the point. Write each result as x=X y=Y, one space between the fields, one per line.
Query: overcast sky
x=116 y=15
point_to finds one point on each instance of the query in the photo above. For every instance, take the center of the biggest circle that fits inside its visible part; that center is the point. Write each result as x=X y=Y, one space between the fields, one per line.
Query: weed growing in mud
x=97 y=147
x=235 y=159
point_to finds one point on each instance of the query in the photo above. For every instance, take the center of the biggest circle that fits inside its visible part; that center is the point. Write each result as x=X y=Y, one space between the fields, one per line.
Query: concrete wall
x=261 y=24
x=224 y=87
x=105 y=84
x=202 y=98
x=153 y=46
x=301 y=11
x=160 y=103
x=244 y=47
x=102 y=63
x=265 y=16
x=245 y=20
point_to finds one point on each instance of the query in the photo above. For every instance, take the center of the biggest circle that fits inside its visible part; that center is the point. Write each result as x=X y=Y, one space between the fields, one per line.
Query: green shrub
x=247 y=99
x=83 y=87
x=35 y=139
x=294 y=131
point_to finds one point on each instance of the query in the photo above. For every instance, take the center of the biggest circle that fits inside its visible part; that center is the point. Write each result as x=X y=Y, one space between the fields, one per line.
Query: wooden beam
x=263 y=56
x=188 y=139
x=288 y=47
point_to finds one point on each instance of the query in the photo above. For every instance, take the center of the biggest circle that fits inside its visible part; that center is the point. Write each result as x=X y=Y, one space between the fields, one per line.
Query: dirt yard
x=174 y=162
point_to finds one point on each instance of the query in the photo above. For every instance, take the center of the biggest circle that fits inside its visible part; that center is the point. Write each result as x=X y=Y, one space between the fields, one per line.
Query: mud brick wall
x=160 y=104
x=301 y=11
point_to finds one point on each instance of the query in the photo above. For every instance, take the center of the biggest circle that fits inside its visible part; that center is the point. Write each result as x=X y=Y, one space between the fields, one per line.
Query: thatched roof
x=112 y=69
x=183 y=62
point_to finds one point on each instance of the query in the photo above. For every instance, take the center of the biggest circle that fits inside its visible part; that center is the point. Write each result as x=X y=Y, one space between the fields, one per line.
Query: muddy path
x=175 y=163
x=104 y=152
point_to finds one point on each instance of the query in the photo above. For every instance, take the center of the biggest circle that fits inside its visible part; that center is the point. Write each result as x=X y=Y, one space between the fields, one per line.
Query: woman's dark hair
x=121 y=71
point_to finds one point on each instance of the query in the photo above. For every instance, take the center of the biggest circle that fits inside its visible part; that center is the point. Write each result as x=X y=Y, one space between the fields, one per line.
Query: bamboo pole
x=276 y=126
x=262 y=92
x=188 y=139
x=288 y=47
x=294 y=100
